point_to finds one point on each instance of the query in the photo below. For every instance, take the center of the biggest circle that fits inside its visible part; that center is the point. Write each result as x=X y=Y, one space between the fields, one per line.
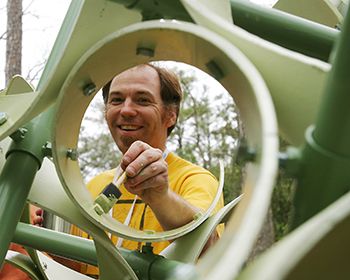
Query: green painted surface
x=325 y=163
x=303 y=91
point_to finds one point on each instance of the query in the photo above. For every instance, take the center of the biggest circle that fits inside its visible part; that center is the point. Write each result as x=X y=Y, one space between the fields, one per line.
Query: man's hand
x=146 y=170
x=36 y=215
x=147 y=176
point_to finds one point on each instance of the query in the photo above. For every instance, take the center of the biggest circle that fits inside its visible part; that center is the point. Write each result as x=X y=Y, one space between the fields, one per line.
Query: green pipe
x=324 y=174
x=15 y=181
x=145 y=264
x=55 y=242
x=284 y=29
x=37 y=133
x=23 y=159
x=333 y=123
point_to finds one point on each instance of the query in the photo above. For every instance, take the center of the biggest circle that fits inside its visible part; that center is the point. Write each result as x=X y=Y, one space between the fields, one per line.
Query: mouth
x=129 y=127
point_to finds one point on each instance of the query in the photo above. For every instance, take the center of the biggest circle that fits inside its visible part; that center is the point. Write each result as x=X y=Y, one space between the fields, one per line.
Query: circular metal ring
x=154 y=41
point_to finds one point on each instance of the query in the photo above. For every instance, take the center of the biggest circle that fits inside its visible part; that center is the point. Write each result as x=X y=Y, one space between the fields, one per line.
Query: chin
x=126 y=142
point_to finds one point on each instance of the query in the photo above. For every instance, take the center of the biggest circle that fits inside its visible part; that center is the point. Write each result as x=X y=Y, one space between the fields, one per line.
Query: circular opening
x=208 y=130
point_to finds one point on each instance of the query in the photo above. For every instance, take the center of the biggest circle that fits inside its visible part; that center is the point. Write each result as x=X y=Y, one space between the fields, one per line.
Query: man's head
x=142 y=103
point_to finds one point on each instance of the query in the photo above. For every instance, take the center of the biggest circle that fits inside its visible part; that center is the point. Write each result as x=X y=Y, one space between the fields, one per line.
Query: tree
x=13 y=39
x=208 y=131
x=96 y=148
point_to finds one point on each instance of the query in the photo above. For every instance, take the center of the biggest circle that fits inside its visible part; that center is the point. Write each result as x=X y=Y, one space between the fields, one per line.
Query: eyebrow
x=138 y=93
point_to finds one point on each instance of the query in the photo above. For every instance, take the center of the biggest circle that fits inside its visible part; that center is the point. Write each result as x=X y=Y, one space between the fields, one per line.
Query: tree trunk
x=14 y=39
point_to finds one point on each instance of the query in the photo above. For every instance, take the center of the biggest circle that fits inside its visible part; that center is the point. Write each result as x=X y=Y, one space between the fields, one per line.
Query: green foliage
x=208 y=131
x=97 y=150
x=282 y=205
x=282 y=200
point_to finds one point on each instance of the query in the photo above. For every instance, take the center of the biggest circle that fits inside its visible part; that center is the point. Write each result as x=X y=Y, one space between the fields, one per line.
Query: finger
x=38 y=221
x=157 y=183
x=39 y=212
x=145 y=159
x=152 y=170
x=133 y=152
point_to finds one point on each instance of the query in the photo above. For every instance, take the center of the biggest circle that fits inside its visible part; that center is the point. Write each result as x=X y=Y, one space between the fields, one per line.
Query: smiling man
x=162 y=191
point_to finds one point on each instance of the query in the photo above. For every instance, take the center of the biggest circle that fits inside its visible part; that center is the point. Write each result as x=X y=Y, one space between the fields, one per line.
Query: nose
x=128 y=108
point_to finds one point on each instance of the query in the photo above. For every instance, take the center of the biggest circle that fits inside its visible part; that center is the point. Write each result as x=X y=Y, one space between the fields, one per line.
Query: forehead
x=140 y=79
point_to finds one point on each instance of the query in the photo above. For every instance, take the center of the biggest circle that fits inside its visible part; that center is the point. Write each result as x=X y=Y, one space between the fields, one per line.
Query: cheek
x=110 y=114
x=109 y=120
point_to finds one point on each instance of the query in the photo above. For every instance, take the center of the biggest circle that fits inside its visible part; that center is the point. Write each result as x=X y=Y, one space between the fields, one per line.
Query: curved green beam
x=318 y=249
x=24 y=263
x=59 y=204
x=196 y=239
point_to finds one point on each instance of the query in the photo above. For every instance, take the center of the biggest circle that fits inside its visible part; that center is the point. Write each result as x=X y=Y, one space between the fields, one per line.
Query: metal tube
x=324 y=175
x=15 y=181
x=284 y=29
x=145 y=264
x=333 y=122
x=55 y=242
x=24 y=158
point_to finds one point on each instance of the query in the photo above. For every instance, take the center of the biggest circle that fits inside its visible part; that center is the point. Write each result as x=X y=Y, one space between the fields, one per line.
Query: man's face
x=135 y=111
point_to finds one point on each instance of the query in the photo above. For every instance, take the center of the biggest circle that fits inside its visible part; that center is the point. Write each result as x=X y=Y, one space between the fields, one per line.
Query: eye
x=143 y=100
x=116 y=100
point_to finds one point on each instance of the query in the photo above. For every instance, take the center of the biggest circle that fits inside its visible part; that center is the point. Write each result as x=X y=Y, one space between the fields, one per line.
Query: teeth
x=129 y=127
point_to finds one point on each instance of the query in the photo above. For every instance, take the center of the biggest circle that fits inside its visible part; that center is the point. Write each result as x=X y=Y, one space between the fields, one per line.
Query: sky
x=41 y=22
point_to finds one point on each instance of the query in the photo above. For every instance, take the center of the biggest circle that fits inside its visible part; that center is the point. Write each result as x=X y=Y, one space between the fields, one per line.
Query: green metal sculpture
x=286 y=74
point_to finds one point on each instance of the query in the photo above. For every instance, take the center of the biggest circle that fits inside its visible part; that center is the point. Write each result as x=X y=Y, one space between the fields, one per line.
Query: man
x=162 y=191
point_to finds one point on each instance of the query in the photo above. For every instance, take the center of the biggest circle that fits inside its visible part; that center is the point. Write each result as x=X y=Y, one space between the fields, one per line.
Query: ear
x=171 y=117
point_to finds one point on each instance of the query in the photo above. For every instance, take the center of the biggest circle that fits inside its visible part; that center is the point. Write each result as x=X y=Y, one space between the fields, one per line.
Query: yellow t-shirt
x=193 y=183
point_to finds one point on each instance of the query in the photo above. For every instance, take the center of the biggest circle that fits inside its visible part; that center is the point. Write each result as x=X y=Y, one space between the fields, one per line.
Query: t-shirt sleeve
x=200 y=189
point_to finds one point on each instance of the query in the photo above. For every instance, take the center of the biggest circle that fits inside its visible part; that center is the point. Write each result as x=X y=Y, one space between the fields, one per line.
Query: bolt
x=89 y=89
x=47 y=149
x=147 y=248
x=145 y=51
x=44 y=265
x=3 y=118
x=215 y=70
x=72 y=154
x=19 y=134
